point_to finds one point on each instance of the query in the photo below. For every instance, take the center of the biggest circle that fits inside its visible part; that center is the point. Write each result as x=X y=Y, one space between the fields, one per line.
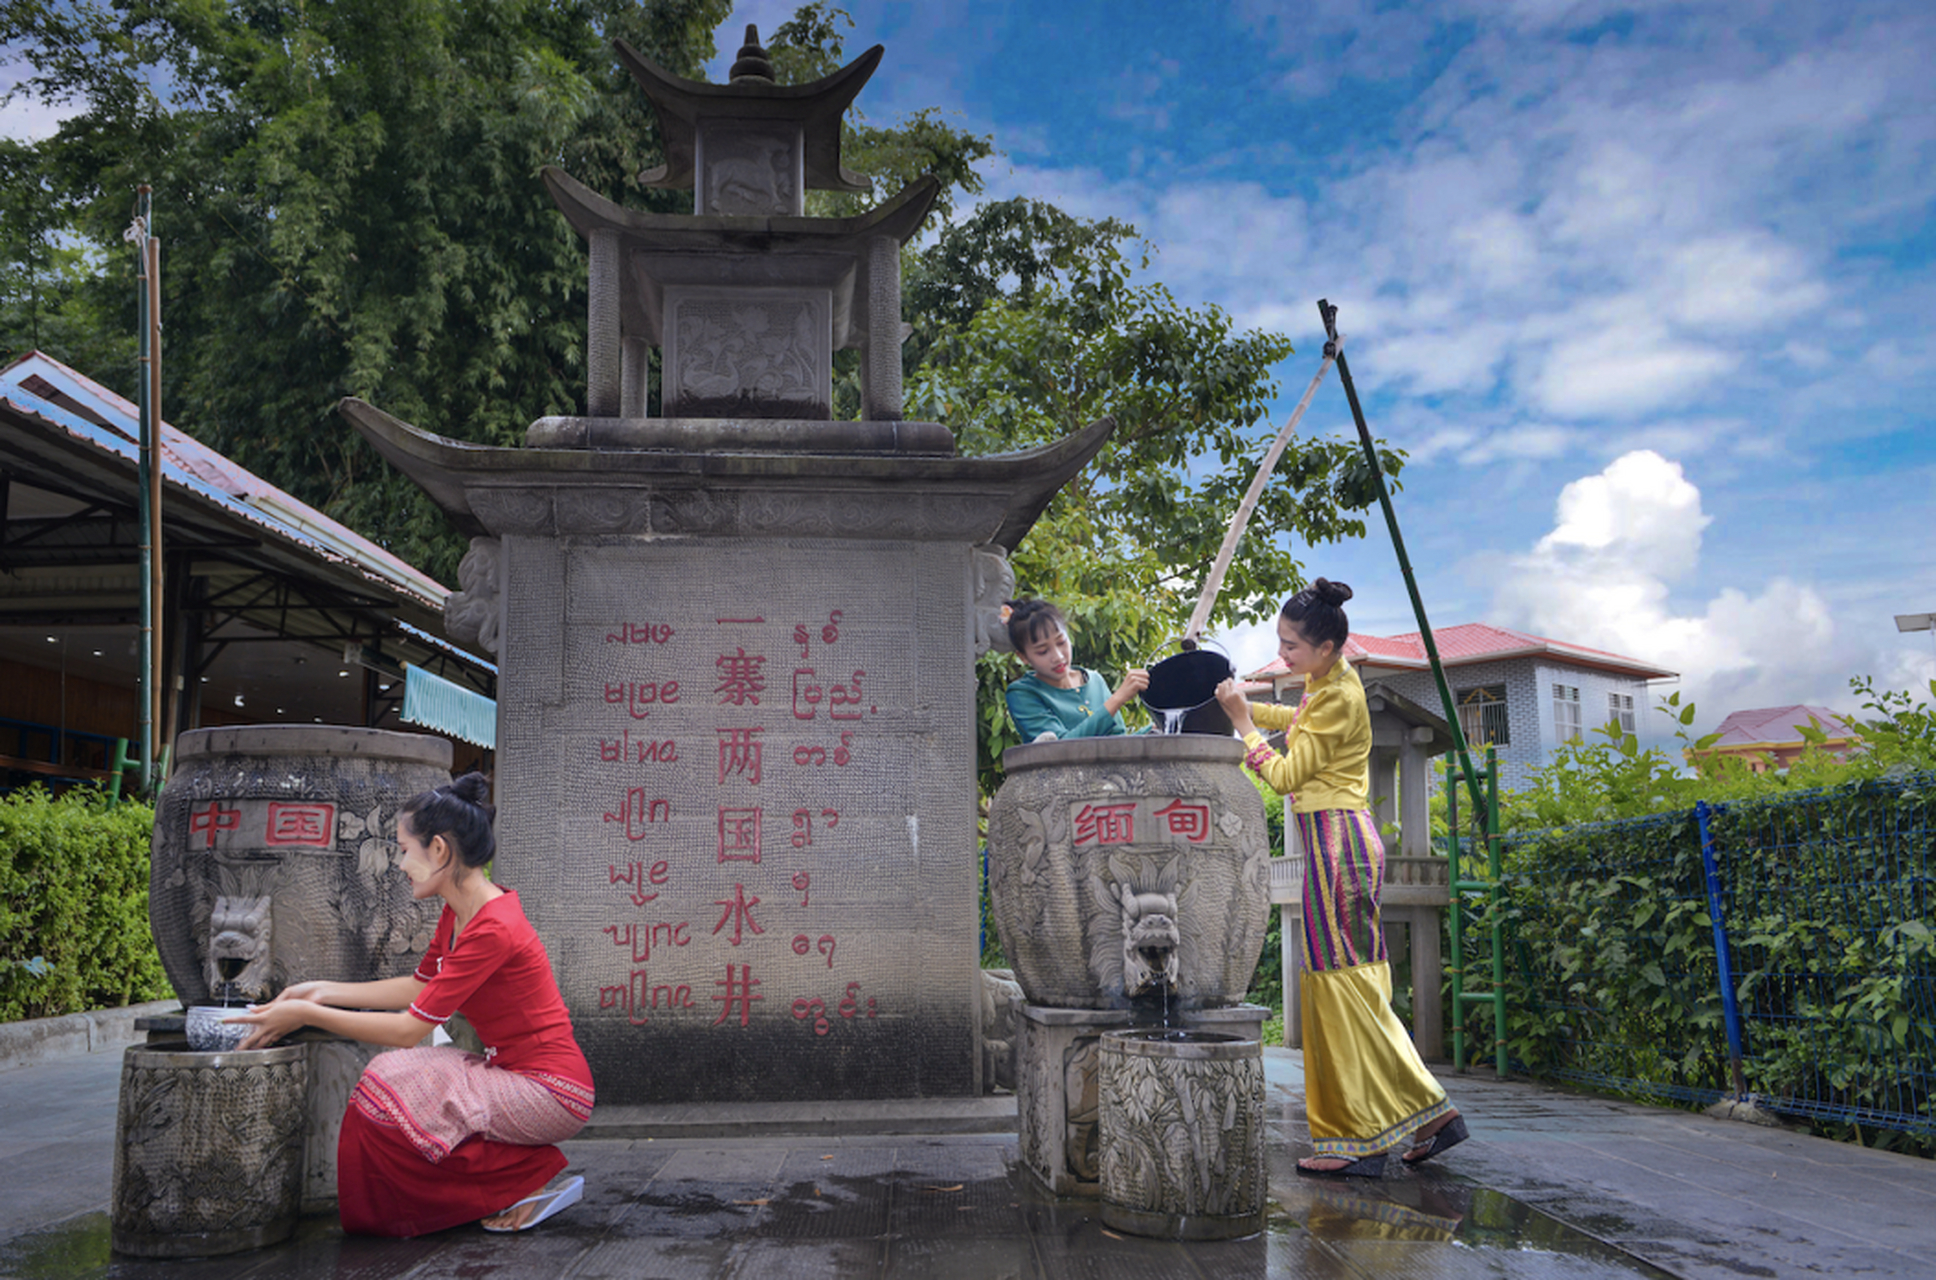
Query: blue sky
x=1643 y=288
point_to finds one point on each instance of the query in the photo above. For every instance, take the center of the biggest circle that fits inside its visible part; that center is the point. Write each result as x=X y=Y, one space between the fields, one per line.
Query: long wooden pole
x=1235 y=533
x=148 y=479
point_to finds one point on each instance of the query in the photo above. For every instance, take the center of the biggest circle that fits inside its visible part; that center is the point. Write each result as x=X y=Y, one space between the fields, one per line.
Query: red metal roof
x=1779 y=724
x=1472 y=642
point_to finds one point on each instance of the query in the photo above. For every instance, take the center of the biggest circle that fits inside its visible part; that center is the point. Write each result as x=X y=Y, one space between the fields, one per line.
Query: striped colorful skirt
x=436 y=1137
x=1365 y=1088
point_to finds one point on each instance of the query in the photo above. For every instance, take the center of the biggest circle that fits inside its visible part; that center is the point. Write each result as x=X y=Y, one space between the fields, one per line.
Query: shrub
x=74 y=904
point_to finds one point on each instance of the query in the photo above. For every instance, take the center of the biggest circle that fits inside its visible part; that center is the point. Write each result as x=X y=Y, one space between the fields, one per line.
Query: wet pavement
x=1552 y=1185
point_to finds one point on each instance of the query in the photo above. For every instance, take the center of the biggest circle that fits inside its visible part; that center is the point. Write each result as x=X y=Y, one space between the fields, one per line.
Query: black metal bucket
x=1182 y=692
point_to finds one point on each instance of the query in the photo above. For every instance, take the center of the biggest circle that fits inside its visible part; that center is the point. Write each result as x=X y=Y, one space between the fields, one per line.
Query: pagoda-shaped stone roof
x=689 y=110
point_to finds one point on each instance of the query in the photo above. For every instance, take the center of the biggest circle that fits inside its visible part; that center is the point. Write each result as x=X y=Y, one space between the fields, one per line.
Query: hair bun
x=1331 y=593
x=472 y=788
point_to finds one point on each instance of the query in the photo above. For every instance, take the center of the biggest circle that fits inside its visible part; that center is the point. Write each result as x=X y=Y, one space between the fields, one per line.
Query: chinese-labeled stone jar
x=208 y=1150
x=1181 y=1134
x=275 y=858
x=1091 y=839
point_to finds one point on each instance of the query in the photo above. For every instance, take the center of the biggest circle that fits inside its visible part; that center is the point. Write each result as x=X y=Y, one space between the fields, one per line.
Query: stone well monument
x=736 y=718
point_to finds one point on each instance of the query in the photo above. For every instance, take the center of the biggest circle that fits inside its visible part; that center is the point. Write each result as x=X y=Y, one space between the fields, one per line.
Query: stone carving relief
x=207 y=1159
x=753 y=357
x=235 y=853
x=1150 y=940
x=1080 y=1082
x=748 y=175
x=994 y=586
x=472 y=612
x=1183 y=1135
x=1169 y=871
x=239 y=941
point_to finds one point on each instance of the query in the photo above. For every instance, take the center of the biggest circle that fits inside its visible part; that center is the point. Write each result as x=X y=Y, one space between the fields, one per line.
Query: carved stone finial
x=753 y=63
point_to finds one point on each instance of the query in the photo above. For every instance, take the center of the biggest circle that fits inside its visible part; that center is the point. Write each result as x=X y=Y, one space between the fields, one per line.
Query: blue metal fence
x=1784 y=948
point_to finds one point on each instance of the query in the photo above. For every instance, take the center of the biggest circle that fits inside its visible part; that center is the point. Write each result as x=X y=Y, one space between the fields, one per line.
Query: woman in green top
x=1058 y=699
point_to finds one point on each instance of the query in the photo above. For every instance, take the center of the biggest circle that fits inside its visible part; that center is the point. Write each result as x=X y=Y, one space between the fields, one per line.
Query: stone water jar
x=276 y=844
x=1078 y=822
x=1181 y=1134
x=208 y=1149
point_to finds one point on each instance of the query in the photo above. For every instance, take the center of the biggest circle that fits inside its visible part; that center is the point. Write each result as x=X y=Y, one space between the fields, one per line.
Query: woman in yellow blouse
x=1366 y=1091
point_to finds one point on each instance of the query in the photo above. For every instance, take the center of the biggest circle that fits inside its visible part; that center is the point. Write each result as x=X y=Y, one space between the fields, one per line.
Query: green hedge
x=1612 y=979
x=74 y=929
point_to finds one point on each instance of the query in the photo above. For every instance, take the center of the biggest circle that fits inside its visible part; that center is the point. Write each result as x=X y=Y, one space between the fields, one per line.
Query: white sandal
x=553 y=1199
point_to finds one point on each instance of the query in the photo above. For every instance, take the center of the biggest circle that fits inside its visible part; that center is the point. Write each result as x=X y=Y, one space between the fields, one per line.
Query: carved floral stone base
x=1181 y=1135
x=1057 y=1103
x=208 y=1153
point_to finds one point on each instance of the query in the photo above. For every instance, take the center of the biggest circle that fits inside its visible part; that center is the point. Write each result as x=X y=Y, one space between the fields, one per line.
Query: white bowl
x=208 y=1033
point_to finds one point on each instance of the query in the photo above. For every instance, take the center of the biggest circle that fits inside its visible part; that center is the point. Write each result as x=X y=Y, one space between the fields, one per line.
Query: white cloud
x=24 y=117
x=1603 y=577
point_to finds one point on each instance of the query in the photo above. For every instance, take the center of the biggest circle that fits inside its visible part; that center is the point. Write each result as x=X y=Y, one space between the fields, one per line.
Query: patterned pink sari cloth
x=440 y=1096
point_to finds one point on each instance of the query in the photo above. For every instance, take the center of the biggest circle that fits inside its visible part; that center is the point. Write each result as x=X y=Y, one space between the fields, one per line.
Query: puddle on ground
x=1371 y=1227
x=1431 y=1209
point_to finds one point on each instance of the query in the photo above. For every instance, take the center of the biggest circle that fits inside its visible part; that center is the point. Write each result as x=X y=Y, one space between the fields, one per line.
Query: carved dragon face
x=1150 y=942
x=238 y=945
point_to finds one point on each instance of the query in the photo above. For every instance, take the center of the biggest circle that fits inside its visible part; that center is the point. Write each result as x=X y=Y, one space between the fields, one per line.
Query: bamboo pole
x=1235 y=533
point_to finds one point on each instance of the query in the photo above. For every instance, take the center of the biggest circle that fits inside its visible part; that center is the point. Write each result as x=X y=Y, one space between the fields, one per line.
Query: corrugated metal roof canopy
x=251 y=567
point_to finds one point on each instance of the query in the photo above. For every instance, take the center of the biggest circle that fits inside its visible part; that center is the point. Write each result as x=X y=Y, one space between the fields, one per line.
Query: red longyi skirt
x=435 y=1138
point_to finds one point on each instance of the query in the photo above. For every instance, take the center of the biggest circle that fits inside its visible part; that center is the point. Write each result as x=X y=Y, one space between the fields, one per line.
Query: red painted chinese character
x=741 y=679
x=739 y=909
x=739 y=991
x=312 y=824
x=213 y=820
x=1106 y=823
x=739 y=752
x=1191 y=821
x=739 y=835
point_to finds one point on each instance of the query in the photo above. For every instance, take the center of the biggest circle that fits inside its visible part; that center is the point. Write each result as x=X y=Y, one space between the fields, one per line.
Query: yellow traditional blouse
x=1327 y=753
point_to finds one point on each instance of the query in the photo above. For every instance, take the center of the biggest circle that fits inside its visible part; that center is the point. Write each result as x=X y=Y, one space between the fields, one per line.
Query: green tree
x=1032 y=324
x=349 y=201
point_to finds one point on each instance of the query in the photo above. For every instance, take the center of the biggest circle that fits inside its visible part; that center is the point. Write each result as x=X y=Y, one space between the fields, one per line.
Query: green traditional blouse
x=1038 y=707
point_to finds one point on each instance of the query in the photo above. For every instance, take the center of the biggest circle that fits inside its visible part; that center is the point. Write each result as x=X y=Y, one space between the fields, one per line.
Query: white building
x=1521 y=693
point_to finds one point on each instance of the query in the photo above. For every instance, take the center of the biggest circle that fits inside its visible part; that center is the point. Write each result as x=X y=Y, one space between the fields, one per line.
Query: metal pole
x=1730 y=1005
x=1457 y=913
x=1497 y=913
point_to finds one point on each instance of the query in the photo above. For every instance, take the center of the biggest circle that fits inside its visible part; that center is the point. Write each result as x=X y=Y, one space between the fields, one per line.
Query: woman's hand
x=1236 y=706
x=1135 y=680
x=272 y=1021
x=311 y=991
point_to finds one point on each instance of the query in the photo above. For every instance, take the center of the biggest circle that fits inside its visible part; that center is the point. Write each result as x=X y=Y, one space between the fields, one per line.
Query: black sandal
x=1367 y=1167
x=1447 y=1136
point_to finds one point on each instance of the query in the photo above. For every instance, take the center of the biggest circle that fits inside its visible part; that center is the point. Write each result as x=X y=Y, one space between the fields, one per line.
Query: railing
x=1782 y=949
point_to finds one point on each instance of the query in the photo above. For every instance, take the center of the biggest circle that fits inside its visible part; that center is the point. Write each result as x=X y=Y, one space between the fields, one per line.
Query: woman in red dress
x=436 y=1137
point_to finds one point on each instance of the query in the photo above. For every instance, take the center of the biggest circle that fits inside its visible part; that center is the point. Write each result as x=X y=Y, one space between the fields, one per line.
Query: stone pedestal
x=1057 y=1105
x=208 y=1155
x=334 y=1067
x=331 y=1071
x=1182 y=1134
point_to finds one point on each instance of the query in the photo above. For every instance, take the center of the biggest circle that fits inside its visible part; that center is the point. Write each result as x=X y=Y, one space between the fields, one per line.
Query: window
x=1620 y=711
x=1566 y=712
x=1482 y=716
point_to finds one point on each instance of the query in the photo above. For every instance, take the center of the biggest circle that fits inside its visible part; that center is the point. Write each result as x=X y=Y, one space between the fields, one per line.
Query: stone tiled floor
x=1553 y=1185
